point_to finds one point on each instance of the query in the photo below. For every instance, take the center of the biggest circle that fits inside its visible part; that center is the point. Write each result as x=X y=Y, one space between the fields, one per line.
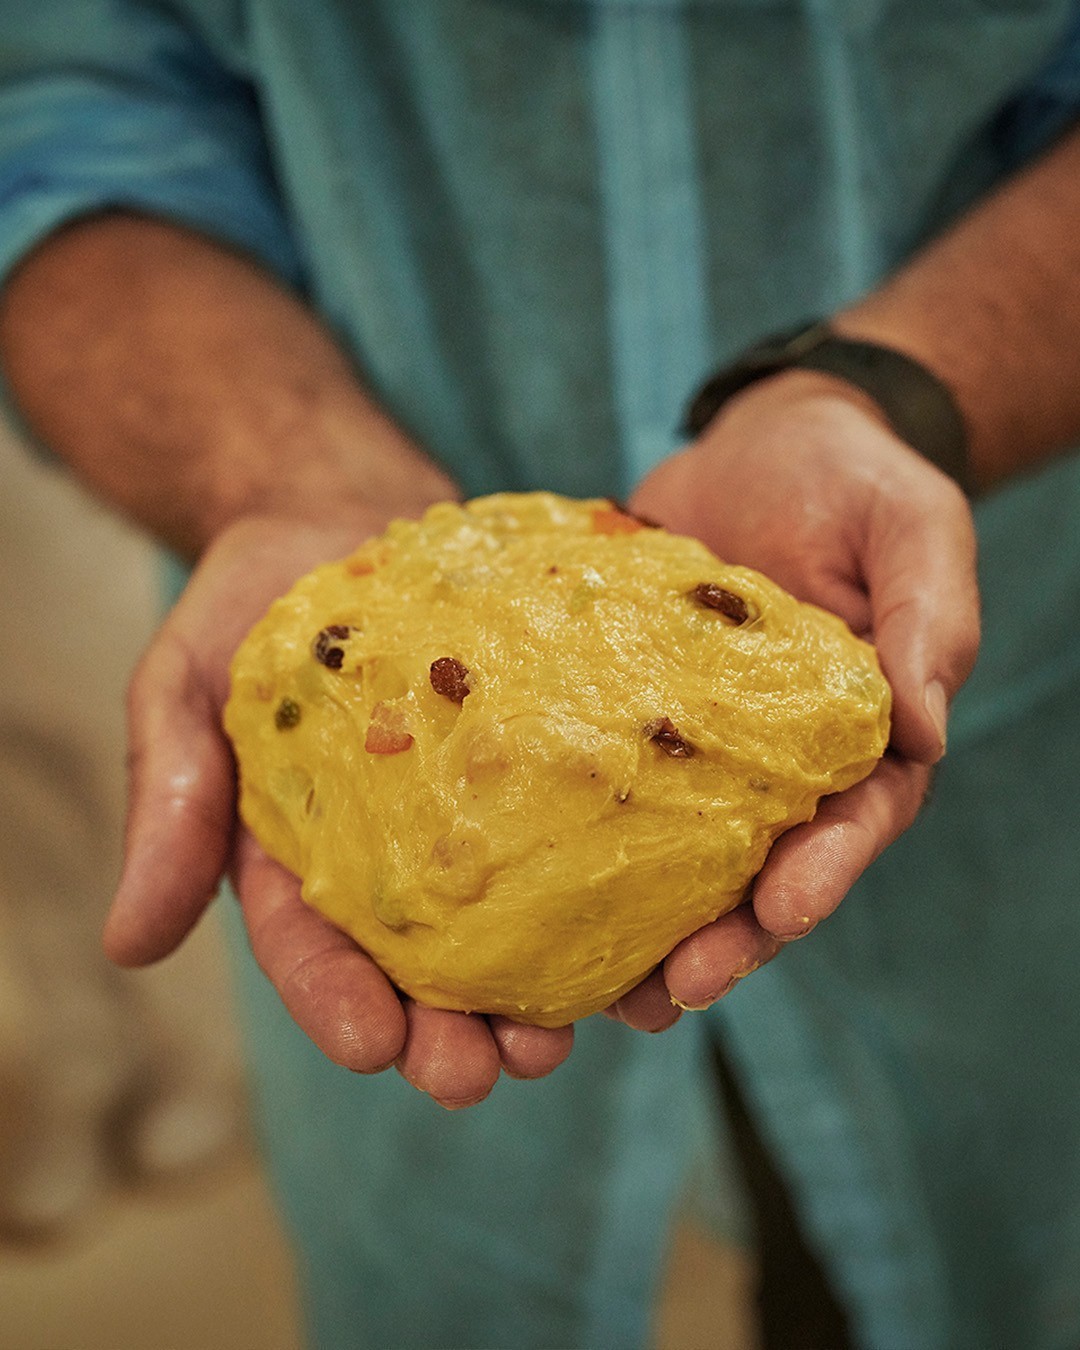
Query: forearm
x=993 y=308
x=189 y=388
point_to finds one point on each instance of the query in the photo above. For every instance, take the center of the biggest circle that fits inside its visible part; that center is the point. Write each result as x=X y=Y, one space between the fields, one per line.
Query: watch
x=915 y=403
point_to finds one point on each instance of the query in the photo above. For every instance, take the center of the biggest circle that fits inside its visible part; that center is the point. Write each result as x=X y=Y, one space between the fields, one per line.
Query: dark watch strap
x=915 y=403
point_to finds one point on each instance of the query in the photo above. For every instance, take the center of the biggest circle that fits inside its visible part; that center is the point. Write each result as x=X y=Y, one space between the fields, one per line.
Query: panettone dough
x=522 y=747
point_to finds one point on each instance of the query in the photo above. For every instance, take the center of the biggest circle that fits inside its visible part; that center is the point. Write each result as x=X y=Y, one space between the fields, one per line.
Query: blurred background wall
x=132 y=1213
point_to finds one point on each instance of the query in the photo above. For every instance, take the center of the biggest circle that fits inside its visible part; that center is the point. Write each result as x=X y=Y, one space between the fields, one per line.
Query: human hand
x=183 y=836
x=800 y=478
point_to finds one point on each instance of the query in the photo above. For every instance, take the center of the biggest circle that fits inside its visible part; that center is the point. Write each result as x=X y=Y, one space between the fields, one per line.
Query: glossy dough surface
x=519 y=749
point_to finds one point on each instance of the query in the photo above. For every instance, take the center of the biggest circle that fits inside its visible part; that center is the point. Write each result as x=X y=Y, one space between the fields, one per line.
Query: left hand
x=183 y=835
x=799 y=478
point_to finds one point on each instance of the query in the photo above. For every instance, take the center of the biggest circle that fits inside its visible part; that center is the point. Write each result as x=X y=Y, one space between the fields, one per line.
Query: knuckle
x=967 y=647
x=953 y=500
x=138 y=688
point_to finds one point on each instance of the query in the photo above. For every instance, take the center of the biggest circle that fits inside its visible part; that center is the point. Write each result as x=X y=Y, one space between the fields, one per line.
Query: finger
x=708 y=964
x=811 y=868
x=180 y=808
x=920 y=571
x=530 y=1052
x=332 y=990
x=648 y=1006
x=452 y=1056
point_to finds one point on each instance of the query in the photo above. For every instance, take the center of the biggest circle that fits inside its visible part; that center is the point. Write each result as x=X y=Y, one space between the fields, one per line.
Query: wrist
x=327 y=466
x=786 y=388
x=909 y=397
x=873 y=320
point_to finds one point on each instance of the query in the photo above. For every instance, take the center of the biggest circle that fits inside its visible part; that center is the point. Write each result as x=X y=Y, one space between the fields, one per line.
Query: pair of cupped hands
x=797 y=477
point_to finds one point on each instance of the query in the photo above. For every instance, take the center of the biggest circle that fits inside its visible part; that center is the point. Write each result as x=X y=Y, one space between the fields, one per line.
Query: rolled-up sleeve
x=115 y=104
x=1049 y=103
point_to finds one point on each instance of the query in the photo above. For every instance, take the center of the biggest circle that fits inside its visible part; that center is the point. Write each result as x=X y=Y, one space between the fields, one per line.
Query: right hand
x=800 y=478
x=183 y=836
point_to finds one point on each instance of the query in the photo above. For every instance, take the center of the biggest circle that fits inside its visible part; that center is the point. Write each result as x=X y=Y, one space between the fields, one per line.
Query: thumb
x=924 y=600
x=180 y=817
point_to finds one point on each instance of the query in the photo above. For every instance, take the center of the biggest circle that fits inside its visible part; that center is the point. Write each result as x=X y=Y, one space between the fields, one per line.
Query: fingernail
x=720 y=993
x=691 y=1007
x=452 y=1104
x=937 y=708
x=806 y=926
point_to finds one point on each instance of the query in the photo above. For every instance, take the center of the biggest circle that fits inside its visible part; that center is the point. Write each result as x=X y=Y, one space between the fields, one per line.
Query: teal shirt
x=536 y=224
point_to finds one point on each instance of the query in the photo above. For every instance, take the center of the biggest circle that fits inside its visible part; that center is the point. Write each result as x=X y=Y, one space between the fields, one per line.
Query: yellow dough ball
x=522 y=747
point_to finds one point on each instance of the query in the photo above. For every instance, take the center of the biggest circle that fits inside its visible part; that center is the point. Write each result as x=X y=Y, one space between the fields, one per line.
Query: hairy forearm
x=189 y=388
x=993 y=308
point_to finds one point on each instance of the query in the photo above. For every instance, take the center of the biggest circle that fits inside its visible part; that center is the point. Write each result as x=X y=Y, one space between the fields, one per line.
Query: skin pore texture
x=188 y=388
